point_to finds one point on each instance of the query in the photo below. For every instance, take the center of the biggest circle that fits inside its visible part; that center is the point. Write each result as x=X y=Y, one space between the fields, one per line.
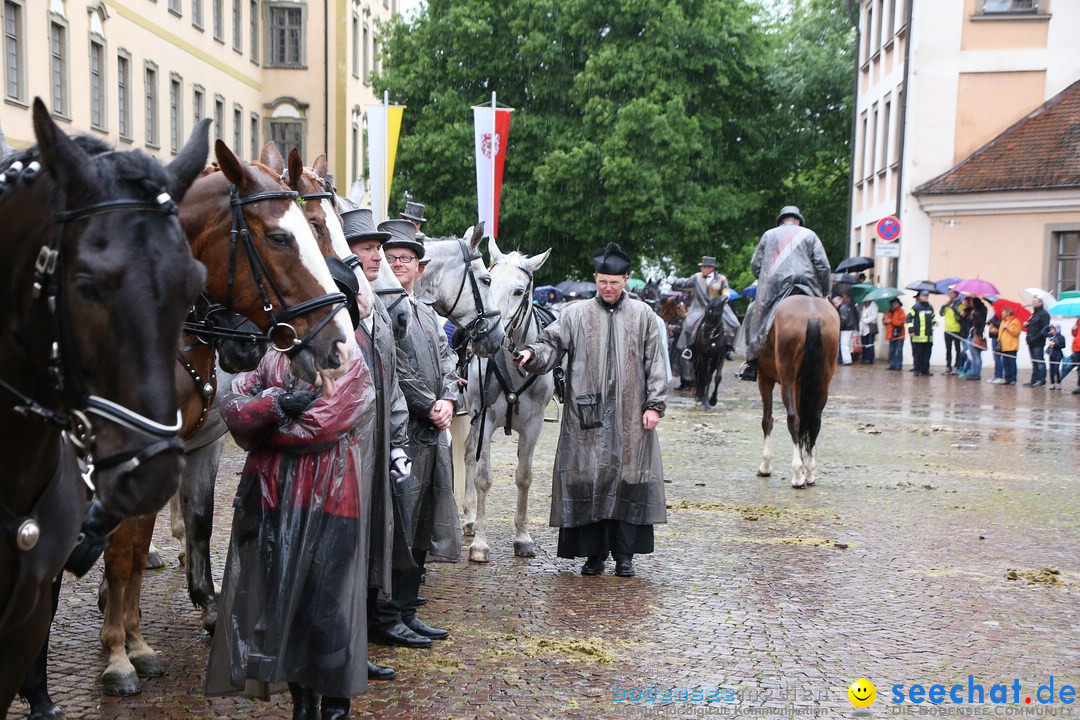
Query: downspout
x=895 y=263
x=326 y=77
x=853 y=17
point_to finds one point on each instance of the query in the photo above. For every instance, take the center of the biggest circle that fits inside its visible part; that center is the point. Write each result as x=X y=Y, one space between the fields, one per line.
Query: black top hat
x=414 y=211
x=611 y=260
x=707 y=261
x=346 y=281
x=360 y=225
x=402 y=235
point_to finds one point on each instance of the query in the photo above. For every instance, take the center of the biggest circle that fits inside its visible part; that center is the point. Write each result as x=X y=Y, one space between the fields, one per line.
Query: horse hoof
x=181 y=559
x=798 y=483
x=119 y=683
x=49 y=711
x=209 y=621
x=810 y=482
x=468 y=529
x=479 y=555
x=764 y=473
x=524 y=549
x=147 y=665
x=154 y=561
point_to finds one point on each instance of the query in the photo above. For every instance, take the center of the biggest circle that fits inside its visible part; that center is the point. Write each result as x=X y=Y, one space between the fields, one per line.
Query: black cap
x=611 y=261
x=414 y=211
x=402 y=235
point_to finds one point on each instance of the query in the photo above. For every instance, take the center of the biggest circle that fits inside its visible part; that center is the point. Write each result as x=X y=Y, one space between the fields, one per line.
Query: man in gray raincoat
x=789 y=260
x=427 y=377
x=703 y=286
x=608 y=482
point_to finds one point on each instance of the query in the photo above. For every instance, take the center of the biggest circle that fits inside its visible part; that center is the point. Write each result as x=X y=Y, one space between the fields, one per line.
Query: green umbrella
x=1069 y=294
x=883 y=297
x=858 y=292
x=635 y=284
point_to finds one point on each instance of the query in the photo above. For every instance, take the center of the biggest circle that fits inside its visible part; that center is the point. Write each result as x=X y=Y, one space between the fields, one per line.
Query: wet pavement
x=940 y=542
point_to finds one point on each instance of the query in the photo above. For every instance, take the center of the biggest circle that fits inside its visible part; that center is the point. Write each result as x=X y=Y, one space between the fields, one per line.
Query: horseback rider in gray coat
x=789 y=259
x=703 y=286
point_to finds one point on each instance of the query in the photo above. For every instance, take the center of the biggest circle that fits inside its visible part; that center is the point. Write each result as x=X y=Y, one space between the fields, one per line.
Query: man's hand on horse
x=522 y=357
x=650 y=419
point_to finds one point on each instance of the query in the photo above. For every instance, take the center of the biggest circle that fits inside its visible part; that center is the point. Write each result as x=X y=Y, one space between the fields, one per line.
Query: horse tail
x=811 y=387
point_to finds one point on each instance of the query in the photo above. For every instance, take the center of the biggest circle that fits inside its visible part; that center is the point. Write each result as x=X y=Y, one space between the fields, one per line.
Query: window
x=238 y=130
x=218 y=9
x=868 y=33
x=886 y=138
x=872 y=143
x=286 y=36
x=1067 y=266
x=254 y=132
x=367 y=56
x=355 y=45
x=123 y=94
x=196 y=14
x=287 y=134
x=375 y=56
x=219 y=117
x=254 y=19
x=355 y=146
x=1010 y=6
x=198 y=103
x=151 y=105
x=176 y=122
x=58 y=68
x=14 y=50
x=97 y=85
x=174 y=7
x=861 y=167
x=237 y=25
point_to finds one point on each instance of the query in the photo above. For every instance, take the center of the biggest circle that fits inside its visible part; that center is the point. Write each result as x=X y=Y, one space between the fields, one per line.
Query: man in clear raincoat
x=703 y=286
x=294 y=594
x=789 y=259
x=428 y=380
x=608 y=482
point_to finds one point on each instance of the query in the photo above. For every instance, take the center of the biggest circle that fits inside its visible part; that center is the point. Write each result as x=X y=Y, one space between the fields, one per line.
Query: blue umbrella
x=1066 y=308
x=945 y=284
x=750 y=292
x=540 y=294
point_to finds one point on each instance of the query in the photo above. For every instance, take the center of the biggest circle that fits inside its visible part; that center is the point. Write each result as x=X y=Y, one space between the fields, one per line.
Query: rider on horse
x=790 y=259
x=703 y=287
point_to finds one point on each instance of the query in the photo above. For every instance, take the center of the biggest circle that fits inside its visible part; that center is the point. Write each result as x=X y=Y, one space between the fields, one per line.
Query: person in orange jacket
x=1009 y=336
x=894 y=320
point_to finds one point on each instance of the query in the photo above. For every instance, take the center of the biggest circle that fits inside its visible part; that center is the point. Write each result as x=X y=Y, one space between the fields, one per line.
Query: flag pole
x=386 y=155
x=494 y=152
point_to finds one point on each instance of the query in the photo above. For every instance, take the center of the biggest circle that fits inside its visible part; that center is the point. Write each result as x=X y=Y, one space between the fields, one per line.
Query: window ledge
x=16 y=102
x=1012 y=17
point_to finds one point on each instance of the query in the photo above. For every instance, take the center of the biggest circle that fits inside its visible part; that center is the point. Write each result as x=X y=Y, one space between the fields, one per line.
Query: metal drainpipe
x=854 y=18
x=895 y=263
x=326 y=77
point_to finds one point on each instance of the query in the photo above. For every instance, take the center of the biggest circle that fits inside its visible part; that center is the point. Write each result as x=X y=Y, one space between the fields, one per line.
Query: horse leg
x=197 y=499
x=142 y=656
x=480 y=551
x=527 y=437
x=719 y=373
x=35 y=686
x=178 y=524
x=810 y=463
x=468 y=504
x=765 y=387
x=23 y=646
x=119 y=677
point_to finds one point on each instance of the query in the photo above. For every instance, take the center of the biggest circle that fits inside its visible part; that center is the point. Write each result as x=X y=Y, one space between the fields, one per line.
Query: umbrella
x=733 y=294
x=1069 y=307
x=883 y=297
x=540 y=294
x=945 y=284
x=1021 y=312
x=635 y=284
x=922 y=286
x=844 y=279
x=855 y=264
x=976 y=287
x=858 y=292
x=1069 y=295
x=577 y=289
x=1029 y=294
x=750 y=291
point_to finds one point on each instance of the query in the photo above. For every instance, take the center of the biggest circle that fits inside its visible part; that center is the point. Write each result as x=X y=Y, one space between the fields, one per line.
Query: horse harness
x=484 y=322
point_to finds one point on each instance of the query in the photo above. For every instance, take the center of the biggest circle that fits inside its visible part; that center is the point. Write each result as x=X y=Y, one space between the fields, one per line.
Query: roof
x=1039 y=152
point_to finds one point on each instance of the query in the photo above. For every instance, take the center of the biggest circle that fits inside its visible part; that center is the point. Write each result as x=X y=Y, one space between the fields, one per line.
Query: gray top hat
x=789 y=211
x=414 y=211
x=706 y=260
x=360 y=225
x=402 y=235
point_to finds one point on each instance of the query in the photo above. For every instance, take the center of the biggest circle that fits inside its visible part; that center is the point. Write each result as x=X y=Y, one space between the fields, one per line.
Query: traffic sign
x=884 y=249
x=888 y=229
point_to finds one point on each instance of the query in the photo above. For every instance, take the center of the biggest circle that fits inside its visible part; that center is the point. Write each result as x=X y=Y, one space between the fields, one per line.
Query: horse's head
x=714 y=311
x=459 y=282
x=262 y=261
x=91 y=326
x=512 y=285
x=239 y=343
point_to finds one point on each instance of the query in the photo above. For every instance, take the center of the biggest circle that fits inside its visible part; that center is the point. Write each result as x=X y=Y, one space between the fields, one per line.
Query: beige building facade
x=142 y=73
x=939 y=84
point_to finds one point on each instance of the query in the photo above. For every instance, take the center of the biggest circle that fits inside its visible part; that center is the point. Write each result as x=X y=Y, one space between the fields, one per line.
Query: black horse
x=709 y=348
x=96 y=276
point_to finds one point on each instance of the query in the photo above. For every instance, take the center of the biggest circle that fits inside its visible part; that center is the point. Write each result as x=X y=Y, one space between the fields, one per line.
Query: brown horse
x=800 y=353
x=281 y=254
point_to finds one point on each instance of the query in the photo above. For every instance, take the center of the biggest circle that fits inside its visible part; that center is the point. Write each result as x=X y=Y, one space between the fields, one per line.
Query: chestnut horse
x=95 y=279
x=250 y=204
x=800 y=353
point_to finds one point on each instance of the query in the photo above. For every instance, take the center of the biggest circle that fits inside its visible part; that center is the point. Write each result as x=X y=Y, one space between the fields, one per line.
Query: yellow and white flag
x=384 y=127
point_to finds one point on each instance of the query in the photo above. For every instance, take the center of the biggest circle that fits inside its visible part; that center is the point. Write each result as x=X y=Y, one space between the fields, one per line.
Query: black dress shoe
x=305 y=702
x=334 y=708
x=419 y=627
x=420 y=600
x=379 y=672
x=594 y=565
x=624 y=567
x=398 y=635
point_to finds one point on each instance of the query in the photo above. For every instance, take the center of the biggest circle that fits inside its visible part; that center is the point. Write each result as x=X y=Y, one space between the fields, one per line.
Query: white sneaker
x=998 y=381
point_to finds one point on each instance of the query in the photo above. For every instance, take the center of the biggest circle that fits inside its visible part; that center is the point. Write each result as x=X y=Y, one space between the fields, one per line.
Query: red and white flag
x=492 y=128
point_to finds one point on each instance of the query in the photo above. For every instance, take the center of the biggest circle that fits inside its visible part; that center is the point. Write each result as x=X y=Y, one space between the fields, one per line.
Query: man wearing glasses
x=427 y=377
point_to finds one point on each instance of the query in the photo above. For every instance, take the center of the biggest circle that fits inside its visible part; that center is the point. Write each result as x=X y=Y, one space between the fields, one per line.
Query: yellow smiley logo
x=862 y=693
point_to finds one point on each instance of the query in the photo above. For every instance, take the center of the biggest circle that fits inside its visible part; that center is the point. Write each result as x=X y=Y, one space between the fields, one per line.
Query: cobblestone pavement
x=932 y=494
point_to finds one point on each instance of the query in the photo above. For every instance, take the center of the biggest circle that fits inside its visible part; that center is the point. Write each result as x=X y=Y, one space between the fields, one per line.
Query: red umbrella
x=1021 y=312
x=975 y=287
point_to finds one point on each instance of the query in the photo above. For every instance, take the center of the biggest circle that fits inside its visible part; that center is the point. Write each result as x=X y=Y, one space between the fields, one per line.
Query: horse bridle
x=278 y=321
x=482 y=325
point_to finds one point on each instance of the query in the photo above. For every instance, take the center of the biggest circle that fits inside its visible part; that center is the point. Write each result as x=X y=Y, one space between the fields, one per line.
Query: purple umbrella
x=976 y=287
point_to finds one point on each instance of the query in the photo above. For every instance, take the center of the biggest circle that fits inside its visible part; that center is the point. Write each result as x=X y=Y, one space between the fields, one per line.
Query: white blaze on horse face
x=311 y=258
x=509 y=283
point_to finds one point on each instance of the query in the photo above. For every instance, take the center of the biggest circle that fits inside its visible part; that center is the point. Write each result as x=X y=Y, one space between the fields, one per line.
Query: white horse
x=502 y=396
